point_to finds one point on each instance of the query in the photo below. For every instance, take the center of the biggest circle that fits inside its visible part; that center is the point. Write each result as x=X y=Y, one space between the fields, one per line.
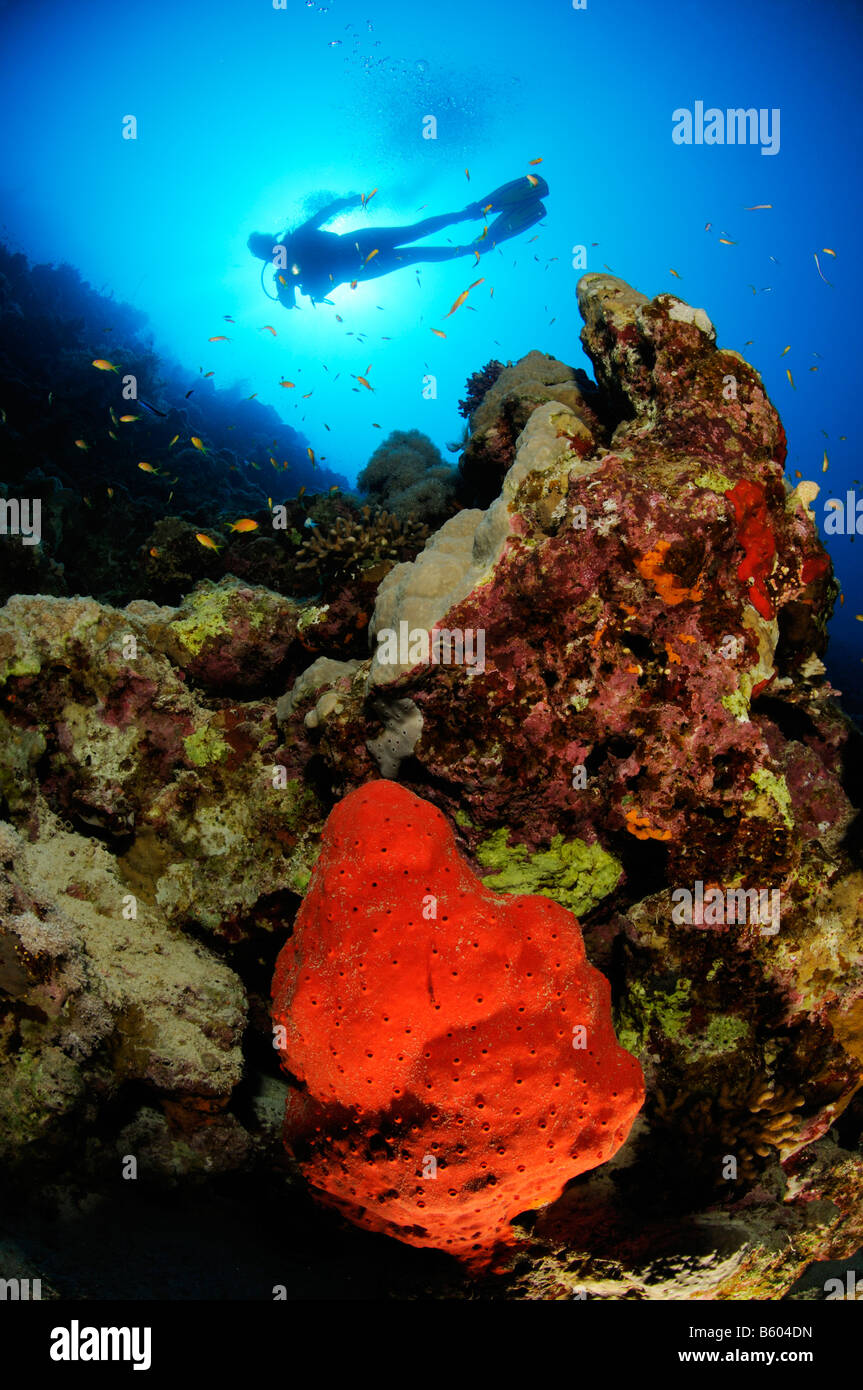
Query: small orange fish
x=369 y=256
x=205 y=540
x=784 y=350
x=154 y=552
x=311 y=454
x=825 y=462
x=199 y=444
x=725 y=241
x=268 y=328
x=367 y=197
x=110 y=491
x=533 y=180
x=476 y=282
x=375 y=425
x=363 y=382
x=707 y=226
x=301 y=491
x=281 y=279
x=147 y=468
x=353 y=284
x=173 y=441
x=112 y=412
x=308 y=393
x=339 y=318
x=438 y=334
x=113 y=435
x=827 y=252
x=244 y=524
x=461 y=299
x=206 y=374
x=219 y=338
x=104 y=365
x=535 y=161
x=82 y=444
x=287 y=383
x=674 y=273
x=791 y=379
x=127 y=419
x=252 y=397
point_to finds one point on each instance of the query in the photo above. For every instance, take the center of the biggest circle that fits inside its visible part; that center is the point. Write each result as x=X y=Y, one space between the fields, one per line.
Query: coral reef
x=145 y=813
x=653 y=597
x=465 y=1067
x=407 y=475
x=477 y=384
x=500 y=412
x=373 y=542
x=646 y=737
x=71 y=438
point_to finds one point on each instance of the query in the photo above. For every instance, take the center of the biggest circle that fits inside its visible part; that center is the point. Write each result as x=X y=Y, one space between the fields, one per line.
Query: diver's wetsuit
x=326 y=259
x=318 y=261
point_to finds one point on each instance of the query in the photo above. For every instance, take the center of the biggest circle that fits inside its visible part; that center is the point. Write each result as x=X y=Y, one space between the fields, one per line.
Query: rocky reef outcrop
x=606 y=674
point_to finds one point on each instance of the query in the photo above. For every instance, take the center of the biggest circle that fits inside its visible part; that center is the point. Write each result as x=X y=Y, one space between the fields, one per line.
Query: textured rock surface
x=504 y=410
x=651 y=714
x=95 y=998
x=138 y=806
x=433 y=1028
x=654 y=610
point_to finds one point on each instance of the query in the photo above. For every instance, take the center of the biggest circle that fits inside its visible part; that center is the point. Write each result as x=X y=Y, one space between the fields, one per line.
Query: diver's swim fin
x=516 y=191
x=515 y=220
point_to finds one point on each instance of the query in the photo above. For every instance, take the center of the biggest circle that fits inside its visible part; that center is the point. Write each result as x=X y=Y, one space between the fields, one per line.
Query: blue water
x=249 y=117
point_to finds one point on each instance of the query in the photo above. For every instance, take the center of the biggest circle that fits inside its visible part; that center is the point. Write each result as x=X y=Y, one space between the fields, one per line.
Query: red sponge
x=453 y=1047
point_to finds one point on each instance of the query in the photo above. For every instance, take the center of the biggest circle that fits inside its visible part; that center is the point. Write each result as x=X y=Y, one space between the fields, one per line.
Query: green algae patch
x=312 y=615
x=641 y=1012
x=208 y=618
x=27 y=665
x=573 y=873
x=646 y=1014
x=714 y=481
x=205 y=746
x=770 y=794
x=737 y=704
x=724 y=1033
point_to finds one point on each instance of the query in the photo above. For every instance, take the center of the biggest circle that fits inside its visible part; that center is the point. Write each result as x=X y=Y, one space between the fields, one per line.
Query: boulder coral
x=452 y=1047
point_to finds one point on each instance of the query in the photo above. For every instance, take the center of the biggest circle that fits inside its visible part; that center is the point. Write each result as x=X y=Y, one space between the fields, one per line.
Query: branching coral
x=750 y=1129
x=352 y=546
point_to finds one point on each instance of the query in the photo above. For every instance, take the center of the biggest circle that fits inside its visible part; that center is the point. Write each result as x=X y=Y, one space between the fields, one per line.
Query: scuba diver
x=316 y=261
